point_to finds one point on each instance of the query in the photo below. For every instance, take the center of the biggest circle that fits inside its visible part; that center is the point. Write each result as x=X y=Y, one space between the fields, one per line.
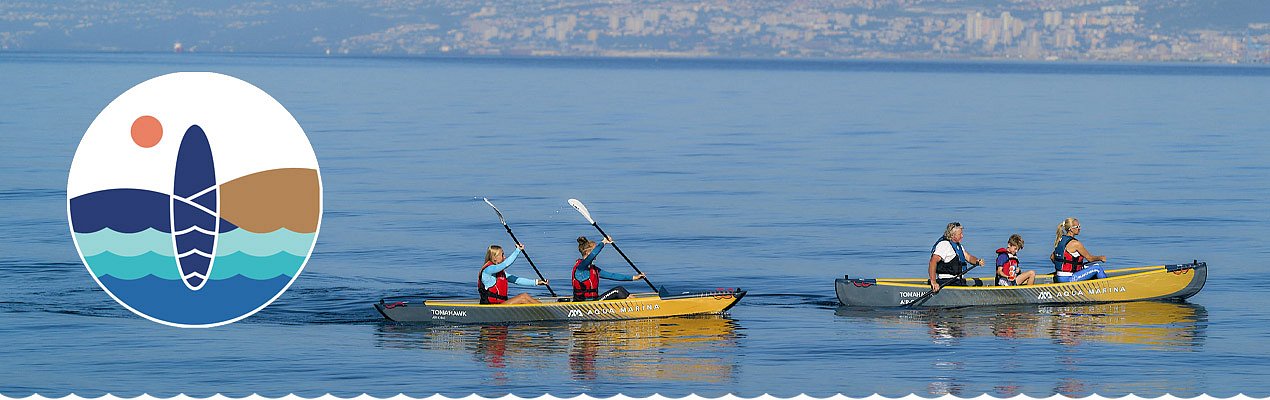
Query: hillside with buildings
x=1235 y=31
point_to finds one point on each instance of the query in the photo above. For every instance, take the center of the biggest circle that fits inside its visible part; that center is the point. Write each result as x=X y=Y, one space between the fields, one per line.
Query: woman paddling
x=493 y=279
x=1070 y=255
x=586 y=276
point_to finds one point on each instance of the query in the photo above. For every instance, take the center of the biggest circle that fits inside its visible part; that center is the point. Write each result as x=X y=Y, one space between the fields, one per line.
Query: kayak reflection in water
x=586 y=275
x=492 y=282
x=1070 y=255
x=491 y=345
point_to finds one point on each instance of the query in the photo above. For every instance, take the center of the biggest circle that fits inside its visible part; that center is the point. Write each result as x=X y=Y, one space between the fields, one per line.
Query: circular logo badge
x=194 y=199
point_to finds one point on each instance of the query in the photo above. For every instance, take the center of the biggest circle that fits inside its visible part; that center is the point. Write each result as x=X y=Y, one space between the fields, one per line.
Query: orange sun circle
x=146 y=131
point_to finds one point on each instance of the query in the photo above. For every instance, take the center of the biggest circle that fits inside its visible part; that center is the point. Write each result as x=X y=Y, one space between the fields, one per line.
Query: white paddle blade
x=577 y=205
x=500 y=213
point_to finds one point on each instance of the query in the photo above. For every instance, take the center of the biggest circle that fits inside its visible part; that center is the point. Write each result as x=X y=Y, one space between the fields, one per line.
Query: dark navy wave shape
x=125 y=211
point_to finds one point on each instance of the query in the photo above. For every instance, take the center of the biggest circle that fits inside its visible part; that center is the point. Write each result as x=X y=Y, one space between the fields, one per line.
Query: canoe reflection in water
x=1145 y=325
x=1158 y=325
x=693 y=348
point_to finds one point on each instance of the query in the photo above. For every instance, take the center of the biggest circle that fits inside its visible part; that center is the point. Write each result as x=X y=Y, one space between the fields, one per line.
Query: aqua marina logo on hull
x=194 y=199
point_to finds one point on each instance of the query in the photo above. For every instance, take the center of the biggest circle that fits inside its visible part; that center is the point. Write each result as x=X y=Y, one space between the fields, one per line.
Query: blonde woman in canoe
x=1070 y=256
x=493 y=279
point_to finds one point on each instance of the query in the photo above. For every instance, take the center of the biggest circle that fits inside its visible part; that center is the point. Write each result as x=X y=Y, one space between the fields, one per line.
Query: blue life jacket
x=1063 y=261
x=954 y=267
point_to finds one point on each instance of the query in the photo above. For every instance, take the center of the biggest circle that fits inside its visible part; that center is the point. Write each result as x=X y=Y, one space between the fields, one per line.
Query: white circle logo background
x=127 y=220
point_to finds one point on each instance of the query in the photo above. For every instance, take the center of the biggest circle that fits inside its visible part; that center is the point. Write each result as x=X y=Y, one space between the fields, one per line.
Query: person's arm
x=970 y=258
x=522 y=281
x=934 y=283
x=616 y=276
x=1080 y=247
x=493 y=269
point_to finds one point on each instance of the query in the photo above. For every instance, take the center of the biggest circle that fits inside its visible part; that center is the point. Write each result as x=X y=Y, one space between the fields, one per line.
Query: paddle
x=577 y=205
x=509 y=232
x=931 y=293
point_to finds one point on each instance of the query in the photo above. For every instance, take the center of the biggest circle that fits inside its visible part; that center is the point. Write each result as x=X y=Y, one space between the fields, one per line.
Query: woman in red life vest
x=492 y=282
x=586 y=276
x=1070 y=255
x=1008 y=271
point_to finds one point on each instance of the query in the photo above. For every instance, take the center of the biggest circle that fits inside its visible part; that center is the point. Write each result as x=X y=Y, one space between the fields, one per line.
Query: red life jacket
x=590 y=288
x=496 y=294
x=1011 y=266
x=1063 y=261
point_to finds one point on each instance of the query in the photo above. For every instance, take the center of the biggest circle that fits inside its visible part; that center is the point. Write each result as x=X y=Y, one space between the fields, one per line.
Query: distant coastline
x=976 y=65
x=1227 y=32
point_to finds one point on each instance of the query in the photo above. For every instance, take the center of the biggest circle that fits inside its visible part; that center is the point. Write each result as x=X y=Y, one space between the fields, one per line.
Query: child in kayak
x=493 y=279
x=586 y=275
x=1008 y=271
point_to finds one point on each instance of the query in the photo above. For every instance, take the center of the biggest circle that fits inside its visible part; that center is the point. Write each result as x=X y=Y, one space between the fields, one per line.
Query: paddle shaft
x=531 y=261
x=931 y=293
x=628 y=259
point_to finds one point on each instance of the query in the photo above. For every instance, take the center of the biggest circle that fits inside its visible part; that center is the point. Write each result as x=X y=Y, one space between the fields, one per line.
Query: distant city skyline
x=1236 y=31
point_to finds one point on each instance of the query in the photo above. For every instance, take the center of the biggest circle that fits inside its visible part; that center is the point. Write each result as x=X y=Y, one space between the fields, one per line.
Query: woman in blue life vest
x=491 y=283
x=586 y=275
x=948 y=259
x=1070 y=256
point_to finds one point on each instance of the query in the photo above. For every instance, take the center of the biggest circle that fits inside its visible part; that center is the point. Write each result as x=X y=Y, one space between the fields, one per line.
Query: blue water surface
x=776 y=177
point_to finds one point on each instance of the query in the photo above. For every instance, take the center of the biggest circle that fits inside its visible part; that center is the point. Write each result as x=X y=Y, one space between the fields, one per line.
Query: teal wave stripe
x=133 y=267
x=125 y=244
x=265 y=244
x=255 y=267
x=164 y=267
x=153 y=241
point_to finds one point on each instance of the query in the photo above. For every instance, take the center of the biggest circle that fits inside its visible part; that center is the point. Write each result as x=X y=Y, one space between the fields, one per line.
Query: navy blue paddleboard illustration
x=195 y=219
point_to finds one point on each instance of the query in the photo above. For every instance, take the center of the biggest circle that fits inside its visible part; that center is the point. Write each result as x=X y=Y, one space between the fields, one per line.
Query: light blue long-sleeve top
x=488 y=279
x=581 y=273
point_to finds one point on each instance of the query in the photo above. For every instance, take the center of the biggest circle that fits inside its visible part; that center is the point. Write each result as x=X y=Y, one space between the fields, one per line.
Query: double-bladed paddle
x=577 y=205
x=509 y=232
x=931 y=293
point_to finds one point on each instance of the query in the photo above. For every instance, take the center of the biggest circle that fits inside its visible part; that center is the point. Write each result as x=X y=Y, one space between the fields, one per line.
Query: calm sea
x=776 y=177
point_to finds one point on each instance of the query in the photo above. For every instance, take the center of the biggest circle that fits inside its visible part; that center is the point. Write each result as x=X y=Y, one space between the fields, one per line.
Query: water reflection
x=698 y=349
x=1156 y=325
x=1149 y=326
